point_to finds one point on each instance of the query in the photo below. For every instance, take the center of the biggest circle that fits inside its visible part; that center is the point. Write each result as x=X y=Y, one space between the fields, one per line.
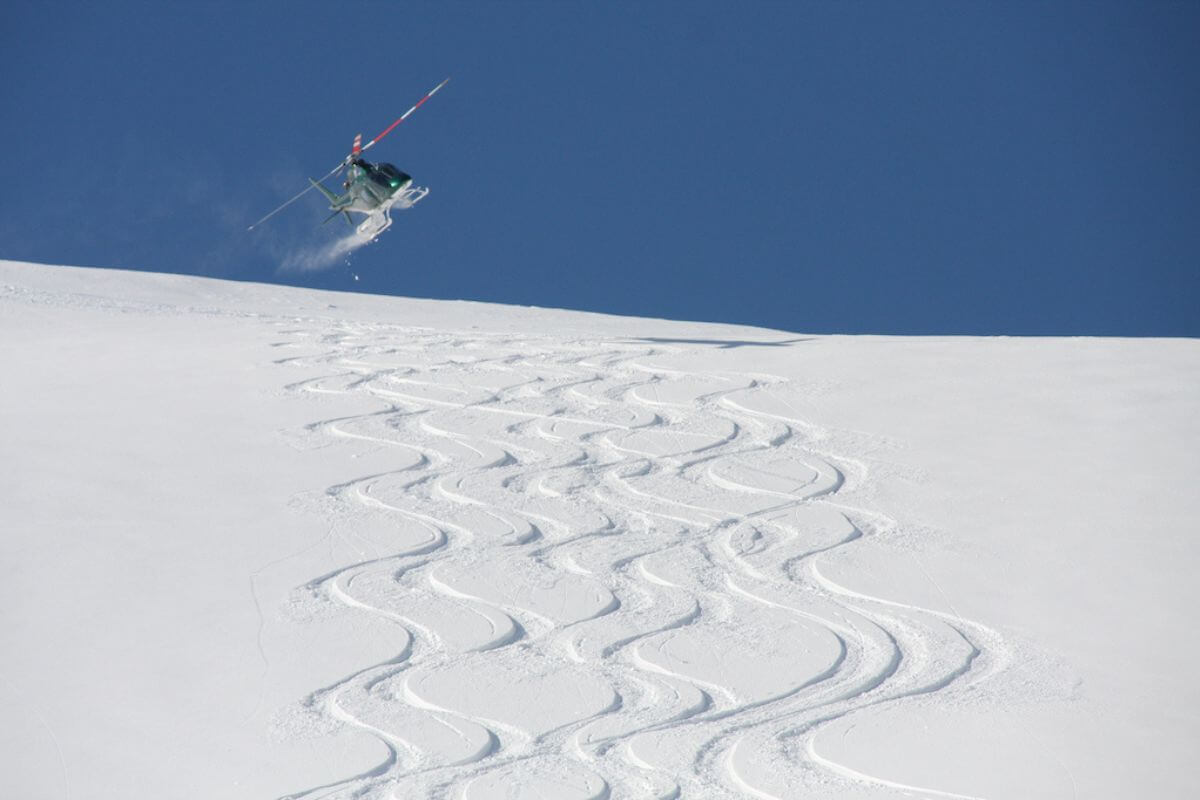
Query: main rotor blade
x=298 y=195
x=404 y=116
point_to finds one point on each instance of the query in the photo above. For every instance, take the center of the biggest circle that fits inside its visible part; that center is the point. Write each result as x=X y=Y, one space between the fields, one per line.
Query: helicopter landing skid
x=380 y=219
x=410 y=196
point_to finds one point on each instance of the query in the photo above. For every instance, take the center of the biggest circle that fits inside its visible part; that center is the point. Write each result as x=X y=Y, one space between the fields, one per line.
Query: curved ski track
x=609 y=575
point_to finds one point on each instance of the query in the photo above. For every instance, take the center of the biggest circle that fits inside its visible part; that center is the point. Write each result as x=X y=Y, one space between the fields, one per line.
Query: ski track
x=636 y=544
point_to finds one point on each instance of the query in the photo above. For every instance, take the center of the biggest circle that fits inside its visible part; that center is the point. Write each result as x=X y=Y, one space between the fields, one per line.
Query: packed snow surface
x=266 y=542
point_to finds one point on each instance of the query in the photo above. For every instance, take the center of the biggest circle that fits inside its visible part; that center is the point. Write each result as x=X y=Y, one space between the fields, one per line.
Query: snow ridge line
x=608 y=570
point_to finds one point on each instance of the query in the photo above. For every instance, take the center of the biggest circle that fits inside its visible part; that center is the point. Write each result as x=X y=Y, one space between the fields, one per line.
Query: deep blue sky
x=881 y=167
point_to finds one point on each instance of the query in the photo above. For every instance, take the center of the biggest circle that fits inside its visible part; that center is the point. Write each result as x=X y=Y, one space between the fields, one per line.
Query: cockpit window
x=395 y=176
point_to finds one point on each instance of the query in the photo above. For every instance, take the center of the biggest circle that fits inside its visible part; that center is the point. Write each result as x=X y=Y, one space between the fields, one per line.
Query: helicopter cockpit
x=393 y=176
x=385 y=175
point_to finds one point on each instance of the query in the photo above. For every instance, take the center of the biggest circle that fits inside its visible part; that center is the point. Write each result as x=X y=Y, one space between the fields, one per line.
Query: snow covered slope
x=264 y=542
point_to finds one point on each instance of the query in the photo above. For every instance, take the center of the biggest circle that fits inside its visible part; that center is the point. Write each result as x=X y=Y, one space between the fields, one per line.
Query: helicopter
x=370 y=189
x=373 y=190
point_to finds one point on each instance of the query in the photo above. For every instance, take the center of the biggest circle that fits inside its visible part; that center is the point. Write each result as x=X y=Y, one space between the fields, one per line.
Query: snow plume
x=315 y=257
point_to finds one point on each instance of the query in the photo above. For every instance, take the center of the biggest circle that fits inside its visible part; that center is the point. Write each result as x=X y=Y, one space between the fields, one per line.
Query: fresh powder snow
x=266 y=542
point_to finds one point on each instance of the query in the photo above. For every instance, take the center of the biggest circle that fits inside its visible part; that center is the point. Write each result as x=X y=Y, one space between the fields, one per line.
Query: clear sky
x=856 y=167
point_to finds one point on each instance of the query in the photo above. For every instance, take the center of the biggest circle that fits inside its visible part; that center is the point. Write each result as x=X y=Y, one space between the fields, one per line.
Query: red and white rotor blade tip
x=404 y=116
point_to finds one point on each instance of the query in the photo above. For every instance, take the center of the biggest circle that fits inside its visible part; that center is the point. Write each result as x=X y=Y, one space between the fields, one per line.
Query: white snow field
x=265 y=542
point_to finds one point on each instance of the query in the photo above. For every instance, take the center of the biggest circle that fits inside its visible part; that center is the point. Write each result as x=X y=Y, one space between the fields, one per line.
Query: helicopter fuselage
x=372 y=190
x=368 y=186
